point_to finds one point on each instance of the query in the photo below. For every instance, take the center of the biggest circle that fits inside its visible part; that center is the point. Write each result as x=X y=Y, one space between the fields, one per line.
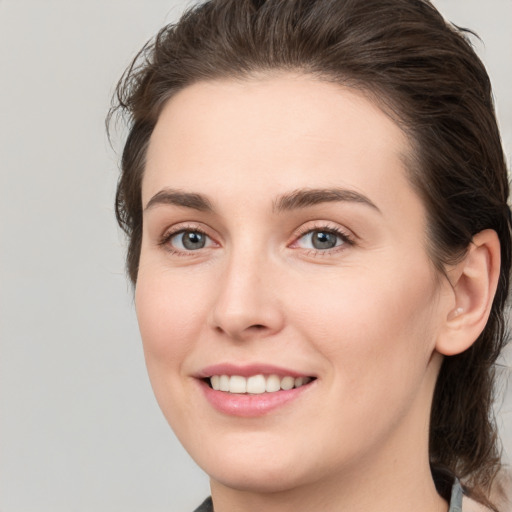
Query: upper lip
x=247 y=370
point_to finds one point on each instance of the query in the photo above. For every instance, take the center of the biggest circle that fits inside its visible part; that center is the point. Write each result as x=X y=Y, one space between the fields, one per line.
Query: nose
x=247 y=303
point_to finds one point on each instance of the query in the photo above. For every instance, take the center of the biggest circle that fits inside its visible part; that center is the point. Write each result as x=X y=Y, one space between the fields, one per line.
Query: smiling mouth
x=256 y=384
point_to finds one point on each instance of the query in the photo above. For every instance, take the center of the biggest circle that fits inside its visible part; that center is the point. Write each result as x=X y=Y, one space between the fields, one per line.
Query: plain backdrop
x=79 y=428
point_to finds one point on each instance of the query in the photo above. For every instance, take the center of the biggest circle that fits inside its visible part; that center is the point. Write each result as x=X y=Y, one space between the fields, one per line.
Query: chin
x=246 y=477
x=258 y=467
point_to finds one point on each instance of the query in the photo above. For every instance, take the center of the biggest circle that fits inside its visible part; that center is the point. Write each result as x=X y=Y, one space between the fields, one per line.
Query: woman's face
x=282 y=241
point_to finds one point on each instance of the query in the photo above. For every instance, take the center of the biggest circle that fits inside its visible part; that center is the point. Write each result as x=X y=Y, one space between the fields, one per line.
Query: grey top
x=455 y=500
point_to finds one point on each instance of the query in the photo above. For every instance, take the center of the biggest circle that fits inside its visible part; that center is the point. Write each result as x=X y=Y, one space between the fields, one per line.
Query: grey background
x=79 y=427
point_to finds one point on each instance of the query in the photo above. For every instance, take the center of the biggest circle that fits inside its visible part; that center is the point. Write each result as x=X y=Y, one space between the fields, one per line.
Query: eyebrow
x=180 y=198
x=295 y=200
x=303 y=198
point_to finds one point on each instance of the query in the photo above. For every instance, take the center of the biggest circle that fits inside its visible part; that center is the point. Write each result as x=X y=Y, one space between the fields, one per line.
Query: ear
x=474 y=281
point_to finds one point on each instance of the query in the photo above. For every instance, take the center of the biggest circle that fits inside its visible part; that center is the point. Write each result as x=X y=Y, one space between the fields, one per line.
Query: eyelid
x=346 y=236
x=171 y=232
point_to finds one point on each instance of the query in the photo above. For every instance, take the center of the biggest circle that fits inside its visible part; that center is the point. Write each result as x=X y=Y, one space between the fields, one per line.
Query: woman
x=315 y=196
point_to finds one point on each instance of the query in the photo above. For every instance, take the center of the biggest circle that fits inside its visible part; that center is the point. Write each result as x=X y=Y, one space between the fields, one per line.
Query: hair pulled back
x=424 y=73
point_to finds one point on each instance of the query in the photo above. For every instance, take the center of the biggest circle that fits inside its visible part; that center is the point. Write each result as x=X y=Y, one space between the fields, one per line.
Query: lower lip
x=250 y=406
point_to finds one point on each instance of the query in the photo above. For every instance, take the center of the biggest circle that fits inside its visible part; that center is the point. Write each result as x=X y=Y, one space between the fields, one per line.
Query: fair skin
x=336 y=286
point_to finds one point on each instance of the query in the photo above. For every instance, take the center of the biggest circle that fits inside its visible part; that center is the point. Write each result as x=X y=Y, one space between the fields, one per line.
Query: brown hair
x=424 y=73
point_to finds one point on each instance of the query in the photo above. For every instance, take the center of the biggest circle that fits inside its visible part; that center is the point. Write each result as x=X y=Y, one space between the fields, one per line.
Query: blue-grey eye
x=320 y=240
x=324 y=240
x=189 y=240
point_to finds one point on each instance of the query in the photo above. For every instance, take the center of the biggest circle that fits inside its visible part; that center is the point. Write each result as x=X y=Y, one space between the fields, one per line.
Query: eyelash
x=345 y=238
x=169 y=235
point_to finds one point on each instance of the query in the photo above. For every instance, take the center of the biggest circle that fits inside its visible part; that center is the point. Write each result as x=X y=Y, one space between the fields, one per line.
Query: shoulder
x=469 y=505
x=500 y=496
x=206 y=506
x=501 y=491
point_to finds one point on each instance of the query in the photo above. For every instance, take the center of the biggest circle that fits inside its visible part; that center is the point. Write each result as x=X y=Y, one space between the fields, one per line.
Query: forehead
x=267 y=136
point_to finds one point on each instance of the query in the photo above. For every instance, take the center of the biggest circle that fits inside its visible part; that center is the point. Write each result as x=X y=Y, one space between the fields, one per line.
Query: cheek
x=171 y=316
x=170 y=313
x=372 y=328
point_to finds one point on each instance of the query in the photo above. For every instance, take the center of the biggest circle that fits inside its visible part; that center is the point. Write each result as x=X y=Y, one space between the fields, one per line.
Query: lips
x=248 y=370
x=252 y=390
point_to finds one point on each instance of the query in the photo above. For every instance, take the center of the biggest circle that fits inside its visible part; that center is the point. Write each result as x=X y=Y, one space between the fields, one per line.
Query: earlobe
x=474 y=284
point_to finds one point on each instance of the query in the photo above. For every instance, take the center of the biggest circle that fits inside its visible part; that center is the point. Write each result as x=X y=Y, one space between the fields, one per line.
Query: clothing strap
x=456 y=499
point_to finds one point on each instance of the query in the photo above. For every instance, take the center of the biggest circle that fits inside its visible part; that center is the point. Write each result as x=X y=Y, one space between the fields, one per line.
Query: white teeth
x=256 y=384
x=287 y=383
x=237 y=384
x=224 y=383
x=273 y=383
